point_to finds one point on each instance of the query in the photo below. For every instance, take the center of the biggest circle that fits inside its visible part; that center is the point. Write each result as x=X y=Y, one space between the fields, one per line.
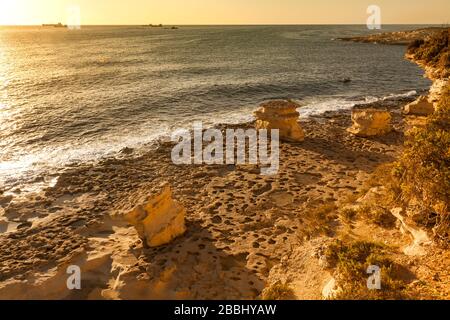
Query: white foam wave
x=318 y=106
x=52 y=159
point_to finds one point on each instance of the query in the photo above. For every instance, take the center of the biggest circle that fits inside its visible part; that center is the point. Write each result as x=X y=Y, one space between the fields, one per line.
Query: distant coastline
x=397 y=38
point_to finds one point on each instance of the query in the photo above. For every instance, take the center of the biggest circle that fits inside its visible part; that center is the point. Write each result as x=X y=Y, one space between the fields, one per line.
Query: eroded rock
x=420 y=107
x=370 y=122
x=331 y=290
x=160 y=220
x=419 y=236
x=282 y=115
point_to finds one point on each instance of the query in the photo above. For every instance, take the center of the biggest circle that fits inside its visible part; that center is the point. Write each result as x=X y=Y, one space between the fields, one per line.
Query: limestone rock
x=282 y=115
x=419 y=236
x=370 y=122
x=420 y=107
x=437 y=89
x=160 y=220
x=331 y=290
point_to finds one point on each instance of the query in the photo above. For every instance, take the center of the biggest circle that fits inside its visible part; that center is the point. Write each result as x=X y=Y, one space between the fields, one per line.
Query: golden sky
x=36 y=12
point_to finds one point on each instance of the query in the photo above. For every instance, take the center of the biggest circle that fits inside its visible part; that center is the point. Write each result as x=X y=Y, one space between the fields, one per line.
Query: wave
x=319 y=106
x=50 y=160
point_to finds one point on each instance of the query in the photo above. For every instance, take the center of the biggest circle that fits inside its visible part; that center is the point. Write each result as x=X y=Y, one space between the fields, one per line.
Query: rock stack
x=370 y=122
x=281 y=115
x=160 y=220
x=420 y=107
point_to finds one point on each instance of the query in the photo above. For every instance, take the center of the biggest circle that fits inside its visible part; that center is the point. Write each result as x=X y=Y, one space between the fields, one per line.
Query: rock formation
x=370 y=122
x=420 y=107
x=282 y=115
x=419 y=236
x=160 y=220
x=396 y=38
x=331 y=290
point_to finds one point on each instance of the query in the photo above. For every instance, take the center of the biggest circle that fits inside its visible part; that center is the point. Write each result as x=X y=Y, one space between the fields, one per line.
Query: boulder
x=160 y=220
x=420 y=107
x=370 y=122
x=331 y=290
x=419 y=236
x=281 y=115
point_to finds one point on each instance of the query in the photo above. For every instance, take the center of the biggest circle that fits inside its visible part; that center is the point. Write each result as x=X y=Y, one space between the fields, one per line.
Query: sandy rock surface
x=239 y=224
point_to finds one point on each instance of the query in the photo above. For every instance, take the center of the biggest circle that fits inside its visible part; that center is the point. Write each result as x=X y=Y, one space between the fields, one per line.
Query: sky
x=126 y=12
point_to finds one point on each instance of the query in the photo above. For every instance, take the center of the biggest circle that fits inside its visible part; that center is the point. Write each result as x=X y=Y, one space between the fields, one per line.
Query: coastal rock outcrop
x=160 y=220
x=419 y=236
x=370 y=122
x=420 y=107
x=282 y=115
x=331 y=290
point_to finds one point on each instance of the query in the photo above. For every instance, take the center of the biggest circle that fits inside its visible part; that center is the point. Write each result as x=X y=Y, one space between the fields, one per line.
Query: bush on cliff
x=423 y=171
x=416 y=44
x=351 y=260
x=422 y=174
x=434 y=52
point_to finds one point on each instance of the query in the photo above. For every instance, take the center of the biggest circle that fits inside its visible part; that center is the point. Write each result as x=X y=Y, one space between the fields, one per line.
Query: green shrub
x=423 y=171
x=278 y=291
x=434 y=51
x=416 y=44
x=351 y=261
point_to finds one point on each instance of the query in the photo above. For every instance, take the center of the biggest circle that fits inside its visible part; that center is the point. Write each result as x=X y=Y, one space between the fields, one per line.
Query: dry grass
x=434 y=52
x=419 y=180
x=351 y=261
x=376 y=214
x=348 y=215
x=278 y=291
x=320 y=219
x=423 y=172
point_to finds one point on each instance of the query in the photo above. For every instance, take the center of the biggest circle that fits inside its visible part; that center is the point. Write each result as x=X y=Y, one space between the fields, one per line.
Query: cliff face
x=438 y=74
x=433 y=55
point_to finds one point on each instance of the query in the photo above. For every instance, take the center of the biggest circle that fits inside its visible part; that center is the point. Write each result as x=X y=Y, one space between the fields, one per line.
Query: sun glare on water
x=10 y=12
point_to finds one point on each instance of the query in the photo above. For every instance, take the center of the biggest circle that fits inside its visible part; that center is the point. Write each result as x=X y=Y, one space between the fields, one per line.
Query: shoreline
x=41 y=180
x=402 y=38
x=87 y=203
x=245 y=232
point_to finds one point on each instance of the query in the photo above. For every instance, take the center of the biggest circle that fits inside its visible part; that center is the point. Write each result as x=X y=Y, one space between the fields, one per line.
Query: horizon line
x=236 y=24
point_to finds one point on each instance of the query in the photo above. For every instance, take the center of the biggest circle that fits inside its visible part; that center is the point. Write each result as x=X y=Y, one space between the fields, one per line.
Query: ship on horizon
x=55 y=25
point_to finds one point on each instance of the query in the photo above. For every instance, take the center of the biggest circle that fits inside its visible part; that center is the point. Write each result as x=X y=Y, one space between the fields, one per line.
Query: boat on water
x=154 y=25
x=55 y=25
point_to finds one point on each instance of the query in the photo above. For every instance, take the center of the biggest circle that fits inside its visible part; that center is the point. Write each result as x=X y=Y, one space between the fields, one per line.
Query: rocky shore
x=396 y=38
x=239 y=224
x=244 y=234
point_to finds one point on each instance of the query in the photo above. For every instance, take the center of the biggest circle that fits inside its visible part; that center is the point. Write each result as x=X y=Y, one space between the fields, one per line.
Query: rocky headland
x=397 y=38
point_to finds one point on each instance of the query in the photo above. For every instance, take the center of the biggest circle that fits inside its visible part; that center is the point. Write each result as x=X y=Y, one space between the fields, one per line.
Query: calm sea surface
x=75 y=96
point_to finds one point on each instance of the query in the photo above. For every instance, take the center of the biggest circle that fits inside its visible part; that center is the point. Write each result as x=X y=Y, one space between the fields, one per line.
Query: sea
x=69 y=97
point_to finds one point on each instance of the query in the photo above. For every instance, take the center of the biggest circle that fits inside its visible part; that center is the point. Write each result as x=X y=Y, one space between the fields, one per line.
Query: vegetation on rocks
x=423 y=171
x=351 y=261
x=433 y=52
x=278 y=291
x=420 y=179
